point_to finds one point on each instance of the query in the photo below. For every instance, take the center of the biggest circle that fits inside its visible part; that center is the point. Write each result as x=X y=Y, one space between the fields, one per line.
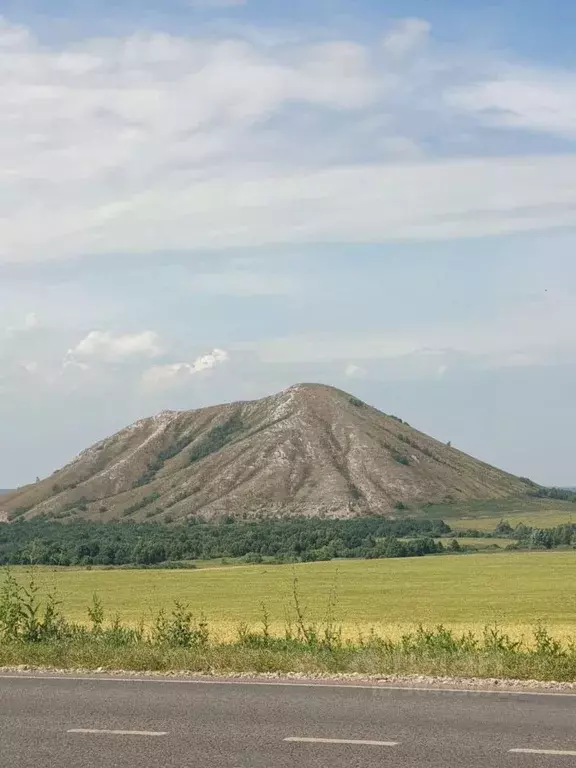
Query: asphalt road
x=103 y=723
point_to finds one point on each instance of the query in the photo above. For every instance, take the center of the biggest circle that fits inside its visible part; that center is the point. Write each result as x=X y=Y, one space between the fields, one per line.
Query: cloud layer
x=156 y=142
x=133 y=167
x=534 y=332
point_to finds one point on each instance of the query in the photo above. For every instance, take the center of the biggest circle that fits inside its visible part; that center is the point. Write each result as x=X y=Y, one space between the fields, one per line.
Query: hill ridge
x=310 y=449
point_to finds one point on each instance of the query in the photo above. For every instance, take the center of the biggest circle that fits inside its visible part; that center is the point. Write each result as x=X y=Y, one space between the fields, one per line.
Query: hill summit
x=309 y=450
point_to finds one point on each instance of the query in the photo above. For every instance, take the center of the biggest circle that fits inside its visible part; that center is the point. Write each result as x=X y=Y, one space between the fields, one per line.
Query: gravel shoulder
x=409 y=681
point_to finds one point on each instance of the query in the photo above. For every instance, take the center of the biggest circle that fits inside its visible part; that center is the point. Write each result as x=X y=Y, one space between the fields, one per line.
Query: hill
x=309 y=450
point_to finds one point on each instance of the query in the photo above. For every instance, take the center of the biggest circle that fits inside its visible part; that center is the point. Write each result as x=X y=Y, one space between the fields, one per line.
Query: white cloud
x=533 y=333
x=156 y=142
x=103 y=346
x=421 y=201
x=172 y=374
x=523 y=98
x=406 y=36
x=354 y=371
x=211 y=360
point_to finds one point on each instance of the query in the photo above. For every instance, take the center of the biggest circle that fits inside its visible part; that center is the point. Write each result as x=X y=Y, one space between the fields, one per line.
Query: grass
x=34 y=632
x=427 y=653
x=516 y=590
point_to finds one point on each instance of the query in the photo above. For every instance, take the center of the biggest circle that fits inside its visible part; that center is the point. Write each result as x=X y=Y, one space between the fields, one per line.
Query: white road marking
x=557 y=752
x=117 y=733
x=288 y=684
x=361 y=742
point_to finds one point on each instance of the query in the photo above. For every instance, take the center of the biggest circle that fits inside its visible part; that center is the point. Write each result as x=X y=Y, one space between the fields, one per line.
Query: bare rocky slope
x=309 y=450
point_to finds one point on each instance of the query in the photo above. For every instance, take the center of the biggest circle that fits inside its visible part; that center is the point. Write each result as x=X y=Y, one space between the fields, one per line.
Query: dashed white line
x=116 y=733
x=557 y=752
x=362 y=742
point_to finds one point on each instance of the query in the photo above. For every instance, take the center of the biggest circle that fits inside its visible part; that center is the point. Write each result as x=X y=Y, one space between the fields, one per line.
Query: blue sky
x=211 y=200
x=539 y=28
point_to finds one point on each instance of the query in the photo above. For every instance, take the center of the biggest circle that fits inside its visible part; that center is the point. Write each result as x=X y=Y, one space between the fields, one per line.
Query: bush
x=253 y=557
x=503 y=529
x=180 y=629
x=22 y=617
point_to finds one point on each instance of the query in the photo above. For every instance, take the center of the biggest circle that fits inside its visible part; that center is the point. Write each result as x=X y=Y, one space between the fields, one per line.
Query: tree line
x=529 y=537
x=46 y=542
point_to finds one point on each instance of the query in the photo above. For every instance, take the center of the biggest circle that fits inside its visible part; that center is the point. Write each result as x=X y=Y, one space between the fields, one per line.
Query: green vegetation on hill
x=217 y=438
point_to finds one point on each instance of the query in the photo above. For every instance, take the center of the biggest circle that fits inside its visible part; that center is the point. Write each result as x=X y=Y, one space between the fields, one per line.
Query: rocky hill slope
x=310 y=450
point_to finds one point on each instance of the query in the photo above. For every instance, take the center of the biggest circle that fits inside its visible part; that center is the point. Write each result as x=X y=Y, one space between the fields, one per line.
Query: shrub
x=253 y=558
x=144 y=502
x=217 y=438
x=18 y=512
x=503 y=529
x=180 y=629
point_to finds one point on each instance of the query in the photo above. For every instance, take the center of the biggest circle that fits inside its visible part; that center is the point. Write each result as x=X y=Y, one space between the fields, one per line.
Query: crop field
x=537 y=520
x=474 y=542
x=480 y=543
x=485 y=515
x=516 y=590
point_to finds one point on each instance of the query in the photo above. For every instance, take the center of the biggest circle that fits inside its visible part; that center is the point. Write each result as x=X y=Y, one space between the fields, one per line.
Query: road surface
x=52 y=722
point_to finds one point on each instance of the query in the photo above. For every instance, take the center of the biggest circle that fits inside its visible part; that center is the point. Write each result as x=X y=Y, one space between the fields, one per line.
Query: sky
x=211 y=200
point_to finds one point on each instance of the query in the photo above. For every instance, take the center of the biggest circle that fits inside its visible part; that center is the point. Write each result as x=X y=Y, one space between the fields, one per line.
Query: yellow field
x=485 y=515
x=481 y=543
x=514 y=589
x=477 y=542
x=549 y=520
